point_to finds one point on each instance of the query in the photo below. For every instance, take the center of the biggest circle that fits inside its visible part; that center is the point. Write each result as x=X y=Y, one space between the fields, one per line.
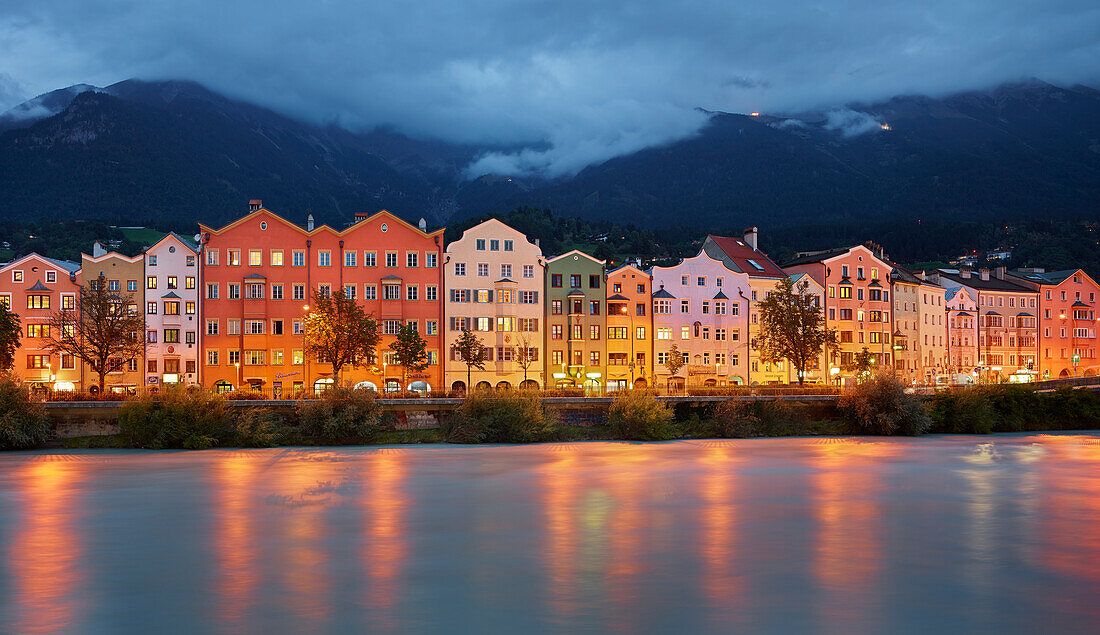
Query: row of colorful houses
x=227 y=311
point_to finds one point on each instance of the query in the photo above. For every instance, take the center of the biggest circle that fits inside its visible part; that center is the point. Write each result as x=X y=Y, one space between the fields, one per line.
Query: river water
x=824 y=535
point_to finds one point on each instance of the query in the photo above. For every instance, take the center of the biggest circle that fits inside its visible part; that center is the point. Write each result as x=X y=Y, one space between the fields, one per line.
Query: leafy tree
x=104 y=330
x=409 y=350
x=340 y=332
x=862 y=363
x=526 y=355
x=675 y=360
x=792 y=327
x=472 y=351
x=10 y=332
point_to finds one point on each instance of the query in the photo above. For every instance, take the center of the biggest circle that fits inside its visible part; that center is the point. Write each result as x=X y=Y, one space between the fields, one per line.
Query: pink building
x=700 y=306
x=962 y=334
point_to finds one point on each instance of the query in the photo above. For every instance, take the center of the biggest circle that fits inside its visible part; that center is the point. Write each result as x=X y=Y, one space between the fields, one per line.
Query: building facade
x=259 y=275
x=629 y=329
x=1067 y=320
x=576 y=325
x=700 y=309
x=857 y=305
x=494 y=279
x=1007 y=328
x=932 y=342
x=962 y=334
x=34 y=288
x=172 y=318
x=744 y=256
x=124 y=275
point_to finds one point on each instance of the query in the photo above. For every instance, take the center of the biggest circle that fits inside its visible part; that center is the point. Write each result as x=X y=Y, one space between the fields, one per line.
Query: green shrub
x=178 y=417
x=501 y=416
x=638 y=415
x=963 y=411
x=733 y=419
x=23 y=421
x=1069 y=409
x=341 y=415
x=257 y=428
x=881 y=406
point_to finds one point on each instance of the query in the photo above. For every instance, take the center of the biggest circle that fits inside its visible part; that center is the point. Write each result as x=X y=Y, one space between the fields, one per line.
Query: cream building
x=172 y=320
x=494 y=281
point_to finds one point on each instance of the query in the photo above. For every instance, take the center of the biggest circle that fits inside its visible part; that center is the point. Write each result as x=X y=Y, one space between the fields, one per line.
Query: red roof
x=741 y=254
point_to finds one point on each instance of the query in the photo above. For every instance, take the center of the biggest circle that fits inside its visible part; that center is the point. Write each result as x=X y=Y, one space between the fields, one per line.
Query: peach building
x=172 y=319
x=1007 y=332
x=920 y=331
x=817 y=373
x=743 y=255
x=259 y=274
x=1067 y=320
x=34 y=288
x=629 y=329
x=700 y=306
x=962 y=333
x=857 y=304
x=494 y=279
x=932 y=344
x=124 y=275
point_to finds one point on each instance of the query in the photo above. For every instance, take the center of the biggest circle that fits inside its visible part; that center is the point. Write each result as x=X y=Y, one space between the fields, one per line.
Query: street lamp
x=238 y=367
x=305 y=362
x=630 y=334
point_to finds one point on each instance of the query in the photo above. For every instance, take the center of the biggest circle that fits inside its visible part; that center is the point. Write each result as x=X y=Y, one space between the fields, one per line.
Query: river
x=802 y=534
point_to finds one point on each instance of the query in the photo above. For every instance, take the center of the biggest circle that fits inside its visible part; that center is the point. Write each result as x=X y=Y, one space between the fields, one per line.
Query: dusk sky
x=589 y=80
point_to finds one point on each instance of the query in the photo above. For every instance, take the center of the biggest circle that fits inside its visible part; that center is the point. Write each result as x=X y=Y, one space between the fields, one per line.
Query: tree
x=104 y=330
x=675 y=360
x=470 y=348
x=409 y=350
x=862 y=363
x=526 y=355
x=11 y=330
x=792 y=327
x=340 y=332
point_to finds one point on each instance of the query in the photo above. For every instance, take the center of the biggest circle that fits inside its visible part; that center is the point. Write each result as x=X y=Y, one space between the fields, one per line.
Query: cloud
x=851 y=123
x=574 y=81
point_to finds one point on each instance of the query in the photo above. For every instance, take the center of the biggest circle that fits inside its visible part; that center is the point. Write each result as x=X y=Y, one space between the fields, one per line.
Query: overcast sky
x=590 y=78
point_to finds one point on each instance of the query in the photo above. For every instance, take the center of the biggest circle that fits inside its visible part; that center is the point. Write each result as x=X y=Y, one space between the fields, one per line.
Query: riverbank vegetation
x=195 y=419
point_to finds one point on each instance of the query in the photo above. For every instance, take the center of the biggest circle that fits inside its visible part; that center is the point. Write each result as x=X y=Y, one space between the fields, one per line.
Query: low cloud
x=851 y=123
x=576 y=82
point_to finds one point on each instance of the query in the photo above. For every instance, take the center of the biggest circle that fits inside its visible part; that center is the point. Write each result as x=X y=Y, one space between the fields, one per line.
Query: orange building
x=259 y=274
x=34 y=288
x=857 y=303
x=629 y=329
x=1067 y=320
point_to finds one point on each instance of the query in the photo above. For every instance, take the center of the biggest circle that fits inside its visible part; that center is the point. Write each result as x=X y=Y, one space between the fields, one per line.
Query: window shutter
x=536 y=297
x=467 y=295
x=490 y=296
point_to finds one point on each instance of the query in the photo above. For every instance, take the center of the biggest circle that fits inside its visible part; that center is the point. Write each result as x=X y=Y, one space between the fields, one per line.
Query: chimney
x=750 y=236
x=920 y=275
x=984 y=273
x=360 y=216
x=964 y=272
x=309 y=223
x=537 y=242
x=423 y=225
x=999 y=273
x=98 y=250
x=255 y=204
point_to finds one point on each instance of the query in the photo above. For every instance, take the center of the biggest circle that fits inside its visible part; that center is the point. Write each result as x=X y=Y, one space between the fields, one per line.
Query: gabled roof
x=1046 y=277
x=186 y=242
x=71 y=267
x=720 y=296
x=975 y=282
x=661 y=293
x=628 y=265
x=737 y=255
x=577 y=252
x=317 y=228
x=618 y=297
x=505 y=281
x=171 y=295
x=575 y=293
x=112 y=255
x=38 y=286
x=1079 y=303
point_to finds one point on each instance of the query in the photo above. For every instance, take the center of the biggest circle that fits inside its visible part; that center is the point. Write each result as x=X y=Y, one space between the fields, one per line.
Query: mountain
x=175 y=151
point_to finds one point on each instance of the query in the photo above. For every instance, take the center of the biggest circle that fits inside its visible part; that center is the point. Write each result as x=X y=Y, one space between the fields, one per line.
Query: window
x=212 y=326
x=494 y=245
x=575 y=281
x=113 y=285
x=298 y=258
x=508 y=245
x=212 y=291
x=131 y=285
x=38 y=361
x=254 y=327
x=664 y=333
x=370 y=259
x=189 y=282
x=325 y=290
x=555 y=280
x=276 y=327
x=234 y=257
x=555 y=307
x=171 y=307
x=152 y=261
x=349 y=258
x=685 y=332
x=701 y=281
x=594 y=307
x=38 y=301
x=391 y=327
x=685 y=306
x=234 y=292
x=506 y=271
x=349 y=291
x=431 y=292
x=506 y=296
x=719 y=308
x=483 y=269
x=431 y=327
x=412 y=258
x=391 y=292
x=460 y=268
x=479 y=244
x=254 y=358
x=276 y=292
x=38 y=330
x=255 y=291
x=430 y=260
x=845 y=292
x=151 y=337
x=151 y=308
x=617 y=332
x=683 y=281
x=662 y=307
x=594 y=282
x=594 y=332
x=412 y=292
x=528 y=271
x=594 y=358
x=299 y=291
x=277 y=357
x=706 y=307
x=255 y=257
x=370 y=292
x=276 y=257
x=172 y=336
x=212 y=260
x=68 y=302
x=150 y=282
x=324 y=258
x=233 y=326
x=577 y=332
x=391 y=258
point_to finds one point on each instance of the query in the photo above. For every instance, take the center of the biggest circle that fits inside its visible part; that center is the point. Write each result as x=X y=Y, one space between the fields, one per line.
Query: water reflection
x=384 y=500
x=46 y=546
x=722 y=574
x=235 y=538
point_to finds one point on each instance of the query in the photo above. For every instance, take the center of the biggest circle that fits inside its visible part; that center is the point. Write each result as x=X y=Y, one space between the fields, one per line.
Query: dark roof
x=618 y=297
x=991 y=313
x=661 y=293
x=67 y=265
x=391 y=277
x=975 y=282
x=904 y=276
x=505 y=280
x=1047 y=277
x=963 y=314
x=721 y=296
x=817 y=256
x=38 y=286
x=738 y=256
x=171 y=295
x=575 y=293
x=1079 y=303
x=1024 y=314
x=255 y=276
